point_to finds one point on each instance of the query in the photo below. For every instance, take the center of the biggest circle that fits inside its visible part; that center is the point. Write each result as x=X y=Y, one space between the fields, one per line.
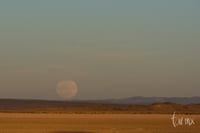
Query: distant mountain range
x=124 y=105
x=150 y=100
x=24 y=103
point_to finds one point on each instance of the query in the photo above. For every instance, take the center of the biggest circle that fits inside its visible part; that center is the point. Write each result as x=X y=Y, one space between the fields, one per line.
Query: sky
x=110 y=48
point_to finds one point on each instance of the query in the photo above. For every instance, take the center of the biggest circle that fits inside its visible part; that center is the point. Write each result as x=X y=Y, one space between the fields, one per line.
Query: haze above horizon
x=110 y=48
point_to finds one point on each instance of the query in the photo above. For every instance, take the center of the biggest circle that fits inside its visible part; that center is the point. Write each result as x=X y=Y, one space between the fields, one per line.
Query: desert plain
x=94 y=123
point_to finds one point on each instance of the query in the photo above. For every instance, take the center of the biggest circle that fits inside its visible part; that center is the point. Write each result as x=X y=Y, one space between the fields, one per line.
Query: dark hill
x=150 y=100
x=129 y=105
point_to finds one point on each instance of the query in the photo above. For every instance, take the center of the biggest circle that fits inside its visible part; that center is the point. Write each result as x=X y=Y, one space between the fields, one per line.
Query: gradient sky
x=111 y=48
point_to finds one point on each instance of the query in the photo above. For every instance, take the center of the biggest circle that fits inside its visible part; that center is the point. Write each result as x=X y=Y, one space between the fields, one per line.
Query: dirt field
x=94 y=123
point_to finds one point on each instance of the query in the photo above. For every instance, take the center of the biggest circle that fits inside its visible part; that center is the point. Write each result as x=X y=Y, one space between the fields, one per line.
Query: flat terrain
x=93 y=123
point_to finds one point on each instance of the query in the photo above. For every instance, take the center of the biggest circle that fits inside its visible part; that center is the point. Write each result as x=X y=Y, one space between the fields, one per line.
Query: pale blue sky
x=111 y=48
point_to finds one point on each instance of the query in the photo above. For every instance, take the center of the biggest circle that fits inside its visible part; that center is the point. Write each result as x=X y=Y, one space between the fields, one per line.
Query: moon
x=67 y=89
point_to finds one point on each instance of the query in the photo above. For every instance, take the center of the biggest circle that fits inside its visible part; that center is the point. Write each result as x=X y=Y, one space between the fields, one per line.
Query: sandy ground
x=94 y=123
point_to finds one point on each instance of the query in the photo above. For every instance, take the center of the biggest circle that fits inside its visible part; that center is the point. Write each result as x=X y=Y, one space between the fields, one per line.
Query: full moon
x=67 y=89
